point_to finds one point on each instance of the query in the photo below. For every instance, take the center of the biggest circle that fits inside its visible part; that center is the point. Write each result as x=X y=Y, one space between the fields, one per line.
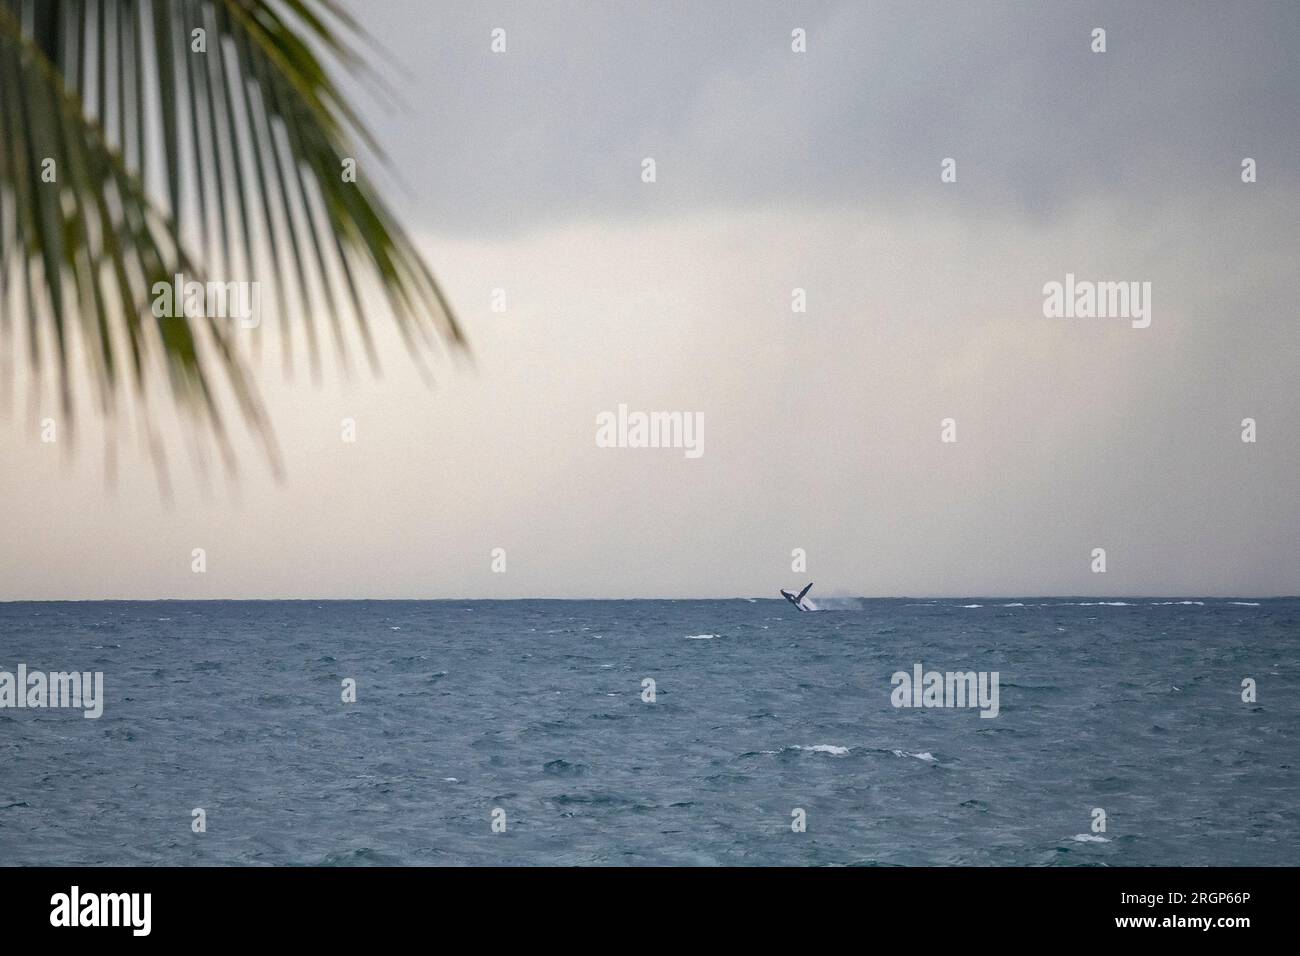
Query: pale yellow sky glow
x=822 y=431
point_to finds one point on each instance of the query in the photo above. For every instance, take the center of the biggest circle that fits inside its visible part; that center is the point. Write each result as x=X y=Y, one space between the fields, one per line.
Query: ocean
x=525 y=733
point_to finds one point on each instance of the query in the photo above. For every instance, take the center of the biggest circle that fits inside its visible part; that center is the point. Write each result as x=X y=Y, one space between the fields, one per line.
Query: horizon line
x=842 y=597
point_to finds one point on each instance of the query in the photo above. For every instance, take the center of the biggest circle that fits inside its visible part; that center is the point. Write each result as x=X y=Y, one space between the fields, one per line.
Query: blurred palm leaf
x=204 y=162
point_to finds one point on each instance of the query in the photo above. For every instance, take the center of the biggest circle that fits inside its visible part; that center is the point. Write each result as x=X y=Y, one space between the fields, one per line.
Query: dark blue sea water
x=535 y=707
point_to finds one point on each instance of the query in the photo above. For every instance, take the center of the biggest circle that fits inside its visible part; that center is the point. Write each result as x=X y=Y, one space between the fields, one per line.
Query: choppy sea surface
x=537 y=708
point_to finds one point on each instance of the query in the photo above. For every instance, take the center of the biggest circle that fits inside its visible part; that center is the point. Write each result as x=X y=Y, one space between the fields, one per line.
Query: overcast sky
x=778 y=170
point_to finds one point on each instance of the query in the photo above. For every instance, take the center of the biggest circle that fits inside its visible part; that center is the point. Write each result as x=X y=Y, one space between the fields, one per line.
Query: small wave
x=972 y=605
x=701 y=637
x=1013 y=604
x=924 y=755
x=562 y=768
x=363 y=856
x=831 y=749
x=1089 y=838
x=1245 y=603
x=1167 y=603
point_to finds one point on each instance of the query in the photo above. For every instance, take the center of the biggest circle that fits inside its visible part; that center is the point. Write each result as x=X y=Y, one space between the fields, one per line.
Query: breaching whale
x=797 y=601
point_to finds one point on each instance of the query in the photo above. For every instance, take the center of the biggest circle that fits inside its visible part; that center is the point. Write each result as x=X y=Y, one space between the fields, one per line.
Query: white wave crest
x=834 y=604
x=924 y=755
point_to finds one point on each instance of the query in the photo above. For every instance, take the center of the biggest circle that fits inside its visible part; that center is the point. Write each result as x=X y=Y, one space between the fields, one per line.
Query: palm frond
x=216 y=162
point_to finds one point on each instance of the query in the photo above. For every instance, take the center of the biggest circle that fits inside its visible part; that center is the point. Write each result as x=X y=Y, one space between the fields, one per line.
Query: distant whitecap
x=924 y=755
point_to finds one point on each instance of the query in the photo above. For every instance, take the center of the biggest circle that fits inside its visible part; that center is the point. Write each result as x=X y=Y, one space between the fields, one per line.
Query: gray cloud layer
x=550 y=130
